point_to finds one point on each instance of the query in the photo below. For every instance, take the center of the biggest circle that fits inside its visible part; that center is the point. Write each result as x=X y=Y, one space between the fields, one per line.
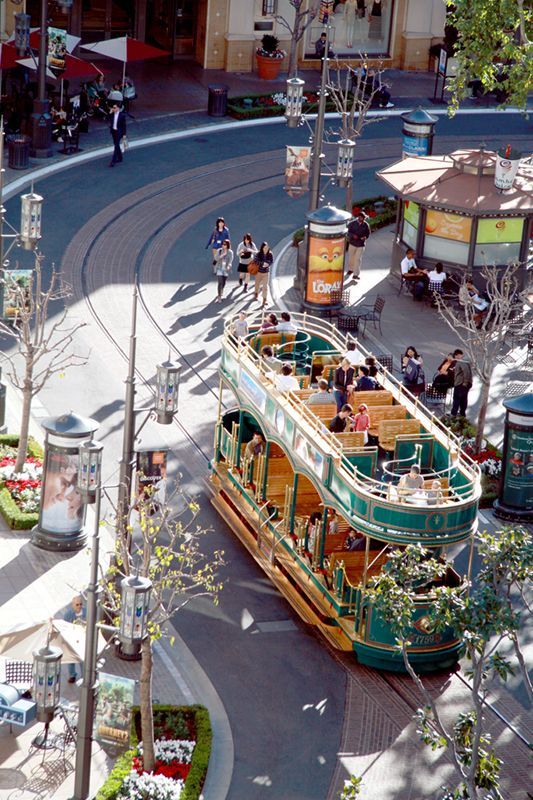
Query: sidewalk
x=405 y=322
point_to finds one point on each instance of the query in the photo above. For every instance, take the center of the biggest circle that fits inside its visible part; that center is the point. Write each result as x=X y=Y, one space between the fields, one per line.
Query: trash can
x=19 y=151
x=217 y=104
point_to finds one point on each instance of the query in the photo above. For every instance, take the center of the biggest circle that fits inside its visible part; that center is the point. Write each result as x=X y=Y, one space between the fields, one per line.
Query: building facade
x=224 y=34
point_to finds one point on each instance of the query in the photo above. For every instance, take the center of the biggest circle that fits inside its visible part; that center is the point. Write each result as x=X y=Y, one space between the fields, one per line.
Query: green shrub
x=238 y=110
x=298 y=236
x=490 y=489
x=200 y=757
x=16 y=519
x=12 y=440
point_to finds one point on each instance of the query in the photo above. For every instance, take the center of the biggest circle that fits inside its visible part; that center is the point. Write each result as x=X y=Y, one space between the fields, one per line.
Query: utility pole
x=317 y=155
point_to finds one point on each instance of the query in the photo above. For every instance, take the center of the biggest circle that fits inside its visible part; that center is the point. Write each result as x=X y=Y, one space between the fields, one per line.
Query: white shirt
x=354 y=357
x=287 y=383
x=407 y=264
x=115 y=120
x=436 y=277
x=286 y=327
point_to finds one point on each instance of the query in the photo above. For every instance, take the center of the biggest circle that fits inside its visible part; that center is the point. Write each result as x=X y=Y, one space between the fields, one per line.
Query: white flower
x=155 y=787
x=170 y=750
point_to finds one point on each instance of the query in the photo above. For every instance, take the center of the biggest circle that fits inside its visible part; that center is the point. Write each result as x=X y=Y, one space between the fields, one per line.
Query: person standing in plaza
x=223 y=262
x=76 y=614
x=117 y=128
x=358 y=233
x=246 y=251
x=263 y=260
x=218 y=235
x=462 y=383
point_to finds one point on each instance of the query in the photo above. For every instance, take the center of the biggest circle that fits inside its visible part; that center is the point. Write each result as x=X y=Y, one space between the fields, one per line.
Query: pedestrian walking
x=246 y=251
x=217 y=237
x=117 y=128
x=77 y=614
x=462 y=383
x=262 y=262
x=223 y=262
x=358 y=233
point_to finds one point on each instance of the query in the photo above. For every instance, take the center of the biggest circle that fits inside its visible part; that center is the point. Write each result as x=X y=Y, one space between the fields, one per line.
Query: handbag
x=253 y=268
x=123 y=144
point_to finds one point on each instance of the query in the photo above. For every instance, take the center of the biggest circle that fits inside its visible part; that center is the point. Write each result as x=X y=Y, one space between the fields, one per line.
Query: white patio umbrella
x=125 y=49
x=72 y=41
x=33 y=63
x=19 y=641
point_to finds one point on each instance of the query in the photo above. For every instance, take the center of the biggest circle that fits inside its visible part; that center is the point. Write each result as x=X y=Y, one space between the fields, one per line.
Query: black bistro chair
x=435 y=399
x=337 y=297
x=371 y=314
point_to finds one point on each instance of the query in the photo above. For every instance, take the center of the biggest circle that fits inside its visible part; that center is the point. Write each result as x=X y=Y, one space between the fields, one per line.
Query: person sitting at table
x=417 y=279
x=354 y=541
x=285 y=380
x=343 y=382
x=435 y=495
x=411 y=482
x=365 y=383
x=340 y=421
x=322 y=395
x=479 y=304
x=361 y=421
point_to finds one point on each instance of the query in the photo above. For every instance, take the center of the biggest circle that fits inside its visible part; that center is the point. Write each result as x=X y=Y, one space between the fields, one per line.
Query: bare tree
x=302 y=19
x=45 y=348
x=485 y=338
x=166 y=548
x=353 y=96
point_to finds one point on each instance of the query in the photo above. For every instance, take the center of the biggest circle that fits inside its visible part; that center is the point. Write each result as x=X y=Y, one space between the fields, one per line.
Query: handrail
x=314 y=325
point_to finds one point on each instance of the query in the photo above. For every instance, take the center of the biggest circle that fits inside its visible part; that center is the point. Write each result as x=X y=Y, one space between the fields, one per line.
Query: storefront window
x=447 y=236
x=498 y=241
x=411 y=211
x=358 y=26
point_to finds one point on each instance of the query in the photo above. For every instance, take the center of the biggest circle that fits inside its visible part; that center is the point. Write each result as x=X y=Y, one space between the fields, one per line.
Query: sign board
x=297 y=170
x=15 y=290
x=326 y=268
x=112 y=721
x=152 y=475
x=443 y=60
x=517 y=484
x=57 y=47
x=415 y=146
x=62 y=508
x=448 y=226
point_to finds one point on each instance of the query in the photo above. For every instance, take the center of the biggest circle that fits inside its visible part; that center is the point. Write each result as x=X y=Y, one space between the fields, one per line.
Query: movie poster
x=16 y=290
x=325 y=268
x=57 y=47
x=112 y=721
x=152 y=476
x=297 y=170
x=62 y=508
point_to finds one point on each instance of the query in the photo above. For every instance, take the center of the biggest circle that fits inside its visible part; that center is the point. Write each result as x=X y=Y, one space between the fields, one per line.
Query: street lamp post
x=316 y=154
x=41 y=120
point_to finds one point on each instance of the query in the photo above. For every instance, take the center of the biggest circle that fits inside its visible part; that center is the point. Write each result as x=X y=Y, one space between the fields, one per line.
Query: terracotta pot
x=268 y=68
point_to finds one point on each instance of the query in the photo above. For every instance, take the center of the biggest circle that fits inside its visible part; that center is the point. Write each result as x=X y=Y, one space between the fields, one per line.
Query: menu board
x=517 y=488
x=493 y=231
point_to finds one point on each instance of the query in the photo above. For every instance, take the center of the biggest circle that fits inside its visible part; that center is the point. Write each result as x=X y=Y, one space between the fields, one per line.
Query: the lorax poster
x=325 y=269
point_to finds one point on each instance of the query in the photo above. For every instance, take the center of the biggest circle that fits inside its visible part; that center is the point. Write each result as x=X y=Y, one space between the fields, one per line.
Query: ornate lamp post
x=135 y=604
x=293 y=109
x=318 y=138
x=30 y=220
x=41 y=120
x=166 y=392
x=344 y=169
x=46 y=687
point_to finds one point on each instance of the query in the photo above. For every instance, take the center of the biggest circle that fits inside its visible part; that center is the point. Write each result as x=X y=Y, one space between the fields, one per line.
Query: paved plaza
x=291 y=719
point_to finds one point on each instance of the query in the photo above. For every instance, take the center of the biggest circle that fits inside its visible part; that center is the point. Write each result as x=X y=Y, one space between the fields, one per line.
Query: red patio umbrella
x=8 y=56
x=125 y=49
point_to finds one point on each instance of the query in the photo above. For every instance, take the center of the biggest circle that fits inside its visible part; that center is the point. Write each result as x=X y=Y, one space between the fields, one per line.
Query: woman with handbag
x=246 y=251
x=220 y=233
x=223 y=262
x=260 y=267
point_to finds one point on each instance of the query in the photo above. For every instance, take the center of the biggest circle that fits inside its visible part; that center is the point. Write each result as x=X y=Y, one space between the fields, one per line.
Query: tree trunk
x=24 y=423
x=293 y=58
x=483 y=405
x=147 y=720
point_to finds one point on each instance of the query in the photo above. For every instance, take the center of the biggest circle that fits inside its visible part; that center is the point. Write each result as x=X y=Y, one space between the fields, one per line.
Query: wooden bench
x=334 y=542
x=274 y=339
x=329 y=371
x=389 y=429
x=324 y=411
x=351 y=441
x=376 y=397
x=354 y=564
x=378 y=413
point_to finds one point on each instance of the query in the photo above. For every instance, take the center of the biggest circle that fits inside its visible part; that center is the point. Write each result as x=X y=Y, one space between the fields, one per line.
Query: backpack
x=412 y=372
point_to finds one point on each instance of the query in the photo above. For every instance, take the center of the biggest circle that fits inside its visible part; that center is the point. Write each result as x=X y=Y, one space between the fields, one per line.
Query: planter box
x=268 y=68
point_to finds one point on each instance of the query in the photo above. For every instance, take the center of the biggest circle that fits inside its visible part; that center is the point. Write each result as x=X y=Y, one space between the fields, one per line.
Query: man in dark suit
x=117 y=127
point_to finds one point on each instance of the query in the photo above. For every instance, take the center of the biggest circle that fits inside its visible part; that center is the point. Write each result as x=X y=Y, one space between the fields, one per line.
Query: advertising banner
x=57 y=47
x=495 y=231
x=410 y=212
x=16 y=287
x=414 y=146
x=297 y=170
x=326 y=8
x=152 y=475
x=112 y=721
x=62 y=509
x=326 y=268
x=448 y=226
x=517 y=486
x=507 y=163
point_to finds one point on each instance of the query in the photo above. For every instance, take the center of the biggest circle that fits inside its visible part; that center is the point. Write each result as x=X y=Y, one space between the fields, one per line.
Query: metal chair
x=372 y=314
x=337 y=297
x=386 y=361
x=348 y=322
x=436 y=398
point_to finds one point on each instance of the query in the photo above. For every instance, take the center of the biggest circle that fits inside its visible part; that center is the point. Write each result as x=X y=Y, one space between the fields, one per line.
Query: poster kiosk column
x=326 y=247
x=516 y=491
x=62 y=512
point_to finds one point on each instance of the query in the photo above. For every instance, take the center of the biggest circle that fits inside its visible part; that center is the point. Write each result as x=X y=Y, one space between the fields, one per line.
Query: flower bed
x=20 y=494
x=183 y=744
x=489 y=458
x=255 y=106
x=375 y=218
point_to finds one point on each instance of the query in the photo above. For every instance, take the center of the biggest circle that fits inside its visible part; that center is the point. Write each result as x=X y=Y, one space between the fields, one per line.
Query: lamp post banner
x=15 y=287
x=325 y=268
x=152 y=475
x=62 y=508
x=57 y=47
x=112 y=720
x=297 y=170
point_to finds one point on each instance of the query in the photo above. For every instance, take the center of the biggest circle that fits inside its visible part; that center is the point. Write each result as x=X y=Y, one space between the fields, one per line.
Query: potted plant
x=269 y=57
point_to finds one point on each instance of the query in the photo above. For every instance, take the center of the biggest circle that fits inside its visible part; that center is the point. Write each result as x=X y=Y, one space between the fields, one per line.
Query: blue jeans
x=341 y=398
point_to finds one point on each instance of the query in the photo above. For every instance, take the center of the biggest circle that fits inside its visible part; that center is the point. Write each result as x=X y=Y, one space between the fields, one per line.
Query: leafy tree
x=483 y=614
x=352 y=788
x=44 y=347
x=167 y=549
x=485 y=342
x=303 y=17
x=491 y=33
